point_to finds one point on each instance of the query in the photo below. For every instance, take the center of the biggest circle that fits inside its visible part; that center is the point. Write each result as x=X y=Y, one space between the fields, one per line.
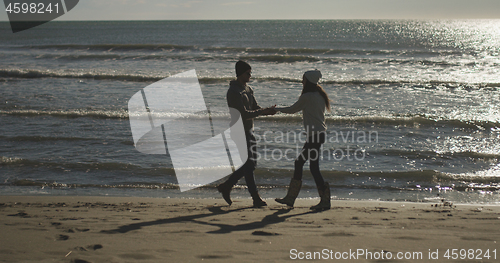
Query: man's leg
x=244 y=171
x=249 y=173
x=252 y=163
x=247 y=169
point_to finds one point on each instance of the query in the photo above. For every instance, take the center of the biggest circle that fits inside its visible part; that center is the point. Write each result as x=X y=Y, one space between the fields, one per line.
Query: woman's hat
x=313 y=76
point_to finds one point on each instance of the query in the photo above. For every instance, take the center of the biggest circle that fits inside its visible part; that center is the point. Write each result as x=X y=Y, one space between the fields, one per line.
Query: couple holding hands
x=313 y=102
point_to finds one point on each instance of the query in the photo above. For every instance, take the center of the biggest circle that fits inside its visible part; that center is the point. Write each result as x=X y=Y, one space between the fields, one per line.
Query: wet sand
x=124 y=229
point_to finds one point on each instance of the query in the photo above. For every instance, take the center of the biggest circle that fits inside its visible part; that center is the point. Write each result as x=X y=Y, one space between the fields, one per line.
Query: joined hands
x=269 y=111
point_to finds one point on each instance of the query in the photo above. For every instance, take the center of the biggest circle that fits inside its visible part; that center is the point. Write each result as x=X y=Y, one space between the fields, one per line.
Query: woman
x=312 y=102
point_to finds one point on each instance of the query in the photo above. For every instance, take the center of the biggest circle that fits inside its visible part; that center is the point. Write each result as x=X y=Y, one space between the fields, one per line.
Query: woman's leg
x=314 y=156
x=310 y=152
x=296 y=182
x=318 y=178
x=299 y=164
x=323 y=187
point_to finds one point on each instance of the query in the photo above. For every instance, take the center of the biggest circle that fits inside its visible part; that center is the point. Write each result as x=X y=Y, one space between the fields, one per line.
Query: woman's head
x=310 y=84
x=313 y=76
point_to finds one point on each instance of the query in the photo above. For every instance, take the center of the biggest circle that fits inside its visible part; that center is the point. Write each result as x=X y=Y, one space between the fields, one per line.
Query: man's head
x=243 y=71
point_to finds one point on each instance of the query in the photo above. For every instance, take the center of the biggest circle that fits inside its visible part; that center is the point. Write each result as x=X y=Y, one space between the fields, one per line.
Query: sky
x=280 y=9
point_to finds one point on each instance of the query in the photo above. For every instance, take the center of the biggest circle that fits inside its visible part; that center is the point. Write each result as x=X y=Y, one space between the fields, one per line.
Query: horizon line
x=265 y=19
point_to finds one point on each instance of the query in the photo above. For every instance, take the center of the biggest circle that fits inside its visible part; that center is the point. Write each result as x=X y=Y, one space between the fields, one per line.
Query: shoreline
x=242 y=194
x=131 y=229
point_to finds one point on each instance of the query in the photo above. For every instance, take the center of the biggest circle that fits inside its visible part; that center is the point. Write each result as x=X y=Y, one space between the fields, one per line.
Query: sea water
x=415 y=104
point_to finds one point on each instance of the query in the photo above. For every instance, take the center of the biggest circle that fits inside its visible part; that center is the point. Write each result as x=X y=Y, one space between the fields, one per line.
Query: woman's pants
x=311 y=152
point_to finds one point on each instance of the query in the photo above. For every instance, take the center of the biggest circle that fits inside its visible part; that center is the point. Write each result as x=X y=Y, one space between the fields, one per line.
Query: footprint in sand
x=338 y=234
x=63 y=237
x=214 y=256
x=95 y=247
x=91 y=247
x=264 y=233
x=409 y=238
x=250 y=240
x=137 y=256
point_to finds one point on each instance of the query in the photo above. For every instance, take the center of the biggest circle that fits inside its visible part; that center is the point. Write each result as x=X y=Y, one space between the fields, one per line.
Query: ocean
x=415 y=105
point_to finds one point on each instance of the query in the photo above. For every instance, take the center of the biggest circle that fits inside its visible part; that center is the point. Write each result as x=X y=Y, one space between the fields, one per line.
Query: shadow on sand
x=276 y=217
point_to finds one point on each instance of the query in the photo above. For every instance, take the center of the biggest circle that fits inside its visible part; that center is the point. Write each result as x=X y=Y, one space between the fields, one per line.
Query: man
x=240 y=96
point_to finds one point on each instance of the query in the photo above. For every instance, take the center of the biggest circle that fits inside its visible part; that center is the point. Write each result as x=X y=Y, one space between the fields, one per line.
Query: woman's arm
x=296 y=107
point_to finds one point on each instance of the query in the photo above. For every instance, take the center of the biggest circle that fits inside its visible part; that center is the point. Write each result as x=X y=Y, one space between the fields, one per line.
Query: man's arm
x=255 y=105
x=265 y=111
x=234 y=100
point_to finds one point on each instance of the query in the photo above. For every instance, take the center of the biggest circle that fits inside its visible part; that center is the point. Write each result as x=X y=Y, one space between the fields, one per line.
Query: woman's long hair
x=311 y=87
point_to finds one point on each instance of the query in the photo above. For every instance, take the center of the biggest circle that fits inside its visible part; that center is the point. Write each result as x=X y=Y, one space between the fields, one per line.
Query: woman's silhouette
x=313 y=102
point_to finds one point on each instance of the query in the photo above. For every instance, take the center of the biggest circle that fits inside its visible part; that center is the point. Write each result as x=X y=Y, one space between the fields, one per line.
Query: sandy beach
x=128 y=229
